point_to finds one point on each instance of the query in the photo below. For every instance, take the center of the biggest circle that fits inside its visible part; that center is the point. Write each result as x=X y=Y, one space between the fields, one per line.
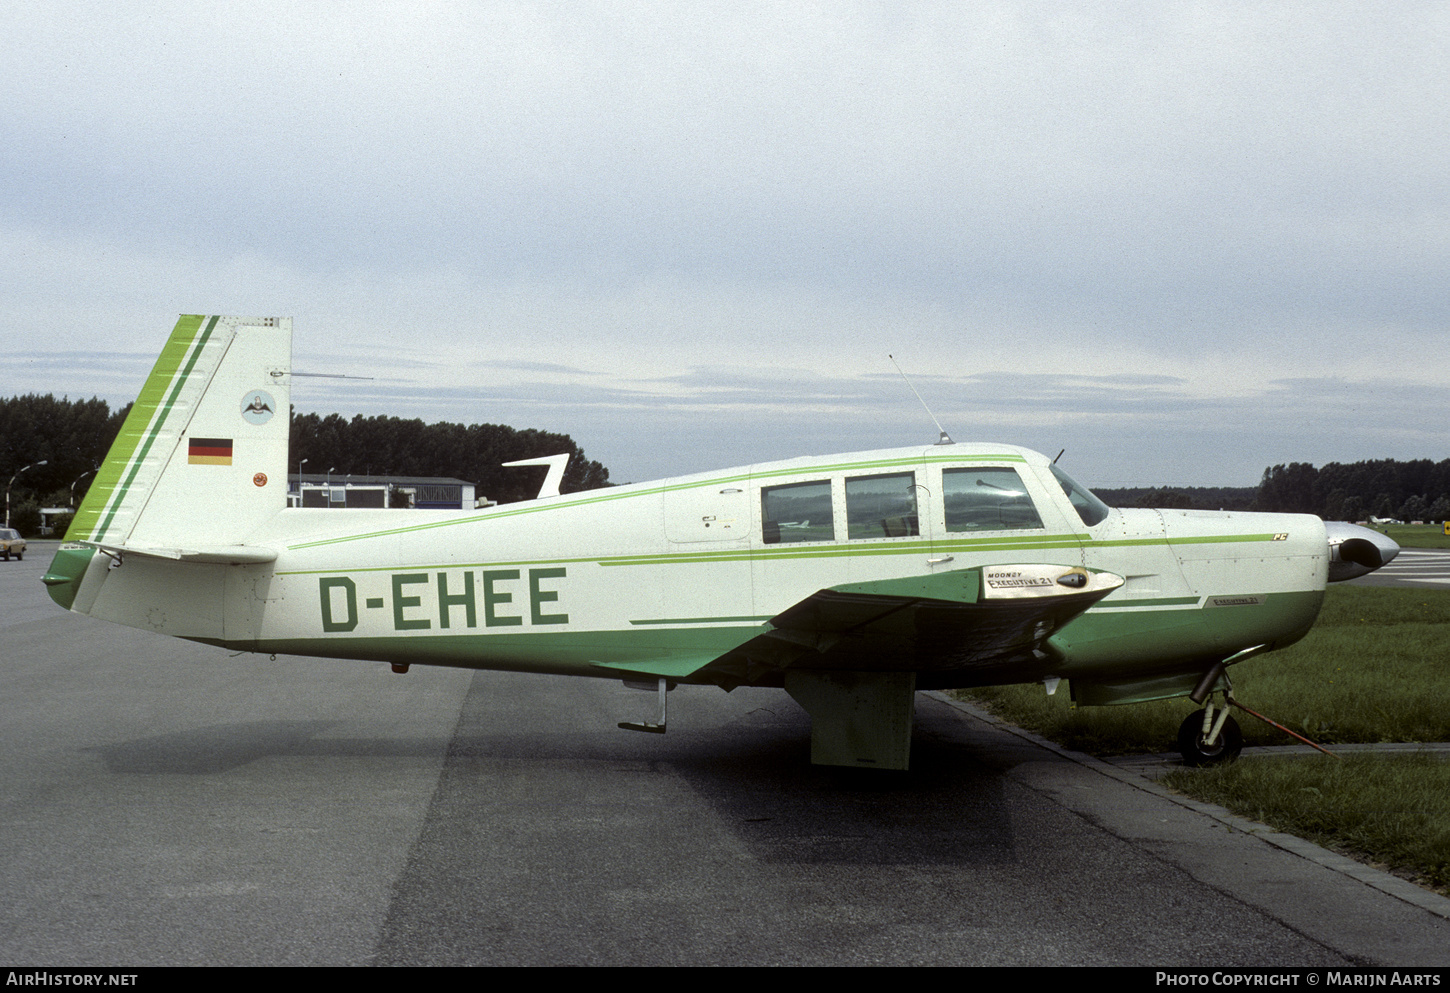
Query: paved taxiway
x=1423 y=567
x=165 y=803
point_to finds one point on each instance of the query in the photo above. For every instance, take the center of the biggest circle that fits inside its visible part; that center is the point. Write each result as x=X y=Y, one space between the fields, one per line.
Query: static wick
x=330 y=375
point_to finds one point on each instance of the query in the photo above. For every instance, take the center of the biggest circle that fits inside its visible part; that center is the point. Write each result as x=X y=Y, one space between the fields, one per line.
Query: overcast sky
x=1182 y=241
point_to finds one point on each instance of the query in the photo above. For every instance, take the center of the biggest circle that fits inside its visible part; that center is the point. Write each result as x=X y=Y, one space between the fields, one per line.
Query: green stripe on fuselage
x=769 y=553
x=1197 y=539
x=1014 y=543
x=744 y=619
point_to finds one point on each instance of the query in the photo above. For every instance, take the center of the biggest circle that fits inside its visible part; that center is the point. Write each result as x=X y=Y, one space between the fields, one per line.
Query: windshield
x=1088 y=507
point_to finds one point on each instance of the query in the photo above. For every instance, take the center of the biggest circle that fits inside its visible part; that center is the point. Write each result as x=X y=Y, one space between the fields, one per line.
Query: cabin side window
x=987 y=498
x=797 y=512
x=881 y=506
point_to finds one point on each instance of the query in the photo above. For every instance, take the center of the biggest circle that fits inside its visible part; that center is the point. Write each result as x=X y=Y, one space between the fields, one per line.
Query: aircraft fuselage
x=691 y=567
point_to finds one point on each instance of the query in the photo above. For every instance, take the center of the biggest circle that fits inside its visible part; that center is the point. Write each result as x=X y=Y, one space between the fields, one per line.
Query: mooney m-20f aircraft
x=850 y=581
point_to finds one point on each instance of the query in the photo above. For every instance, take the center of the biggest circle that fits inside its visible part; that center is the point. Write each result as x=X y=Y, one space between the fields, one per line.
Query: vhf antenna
x=945 y=438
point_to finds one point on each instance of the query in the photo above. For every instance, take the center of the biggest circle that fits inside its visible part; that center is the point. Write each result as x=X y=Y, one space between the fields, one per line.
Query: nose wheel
x=1209 y=738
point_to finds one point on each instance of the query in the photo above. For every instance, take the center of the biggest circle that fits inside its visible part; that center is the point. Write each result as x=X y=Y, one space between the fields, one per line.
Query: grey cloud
x=591 y=211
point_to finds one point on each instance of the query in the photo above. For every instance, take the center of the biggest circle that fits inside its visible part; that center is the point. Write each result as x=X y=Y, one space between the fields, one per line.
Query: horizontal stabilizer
x=221 y=554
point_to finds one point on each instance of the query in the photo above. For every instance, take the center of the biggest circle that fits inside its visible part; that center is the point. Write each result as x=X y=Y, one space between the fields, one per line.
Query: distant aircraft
x=850 y=581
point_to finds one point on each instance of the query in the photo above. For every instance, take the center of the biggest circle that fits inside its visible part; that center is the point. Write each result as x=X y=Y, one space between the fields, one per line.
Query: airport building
x=401 y=492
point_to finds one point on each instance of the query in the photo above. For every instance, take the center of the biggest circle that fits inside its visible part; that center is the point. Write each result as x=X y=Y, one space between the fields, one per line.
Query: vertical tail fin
x=201 y=460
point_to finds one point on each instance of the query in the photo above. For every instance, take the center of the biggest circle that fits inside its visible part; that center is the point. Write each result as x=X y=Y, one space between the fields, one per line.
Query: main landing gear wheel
x=1194 y=749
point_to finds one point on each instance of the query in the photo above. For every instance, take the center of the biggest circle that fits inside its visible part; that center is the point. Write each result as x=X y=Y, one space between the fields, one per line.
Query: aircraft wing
x=970 y=618
x=672 y=667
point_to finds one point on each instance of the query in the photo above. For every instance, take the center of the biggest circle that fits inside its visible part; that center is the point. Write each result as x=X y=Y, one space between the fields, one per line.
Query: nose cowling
x=1355 y=551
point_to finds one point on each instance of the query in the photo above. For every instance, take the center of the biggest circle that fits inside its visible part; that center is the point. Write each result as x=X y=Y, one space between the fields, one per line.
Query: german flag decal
x=209 y=451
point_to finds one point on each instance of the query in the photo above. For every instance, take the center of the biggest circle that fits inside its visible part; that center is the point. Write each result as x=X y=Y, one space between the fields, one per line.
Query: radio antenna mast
x=945 y=438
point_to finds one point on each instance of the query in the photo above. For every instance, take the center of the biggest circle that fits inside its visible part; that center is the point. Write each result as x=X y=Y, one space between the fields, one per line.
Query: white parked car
x=11 y=544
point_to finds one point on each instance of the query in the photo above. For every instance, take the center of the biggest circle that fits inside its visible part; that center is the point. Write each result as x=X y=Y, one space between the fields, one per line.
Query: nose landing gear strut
x=1208 y=739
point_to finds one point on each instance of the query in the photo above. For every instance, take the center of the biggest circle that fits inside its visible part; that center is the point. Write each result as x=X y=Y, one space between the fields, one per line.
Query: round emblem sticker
x=260 y=479
x=258 y=407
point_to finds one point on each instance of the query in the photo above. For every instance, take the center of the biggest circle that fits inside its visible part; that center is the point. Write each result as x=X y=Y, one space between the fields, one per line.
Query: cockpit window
x=987 y=498
x=1088 y=507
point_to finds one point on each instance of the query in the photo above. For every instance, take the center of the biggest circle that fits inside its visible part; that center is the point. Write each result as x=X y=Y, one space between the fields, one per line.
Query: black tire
x=20 y=556
x=1195 y=753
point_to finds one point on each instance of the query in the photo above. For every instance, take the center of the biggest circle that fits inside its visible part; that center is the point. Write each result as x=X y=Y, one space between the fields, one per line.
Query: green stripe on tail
x=147 y=416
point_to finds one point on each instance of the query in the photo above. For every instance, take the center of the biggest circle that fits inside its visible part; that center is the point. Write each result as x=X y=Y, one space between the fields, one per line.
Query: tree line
x=1180 y=497
x=1418 y=490
x=72 y=437
x=391 y=446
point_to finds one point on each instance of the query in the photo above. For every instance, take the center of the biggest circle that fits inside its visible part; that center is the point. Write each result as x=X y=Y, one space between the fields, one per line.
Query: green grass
x=1393 y=811
x=1416 y=535
x=1375 y=668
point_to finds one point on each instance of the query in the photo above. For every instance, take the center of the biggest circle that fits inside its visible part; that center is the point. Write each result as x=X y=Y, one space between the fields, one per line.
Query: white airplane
x=851 y=581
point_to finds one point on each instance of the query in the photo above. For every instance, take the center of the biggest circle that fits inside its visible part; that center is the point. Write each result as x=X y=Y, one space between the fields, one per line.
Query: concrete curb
x=1137 y=771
